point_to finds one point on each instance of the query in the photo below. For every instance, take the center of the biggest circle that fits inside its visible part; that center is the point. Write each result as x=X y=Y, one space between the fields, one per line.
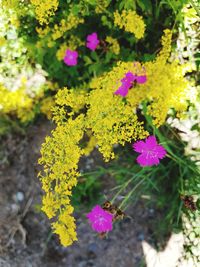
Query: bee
x=113 y=209
x=189 y=202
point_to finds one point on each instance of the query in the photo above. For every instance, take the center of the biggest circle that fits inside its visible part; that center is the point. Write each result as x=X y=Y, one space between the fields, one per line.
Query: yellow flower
x=113 y=45
x=90 y=145
x=131 y=22
x=65 y=25
x=60 y=157
x=46 y=106
x=17 y=102
x=44 y=9
x=101 y=6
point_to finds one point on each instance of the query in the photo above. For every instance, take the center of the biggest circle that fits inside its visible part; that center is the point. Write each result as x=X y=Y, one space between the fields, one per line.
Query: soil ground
x=25 y=235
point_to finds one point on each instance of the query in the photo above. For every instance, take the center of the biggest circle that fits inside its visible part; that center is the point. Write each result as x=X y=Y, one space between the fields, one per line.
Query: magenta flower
x=127 y=82
x=70 y=58
x=100 y=219
x=141 y=79
x=151 y=152
x=92 y=41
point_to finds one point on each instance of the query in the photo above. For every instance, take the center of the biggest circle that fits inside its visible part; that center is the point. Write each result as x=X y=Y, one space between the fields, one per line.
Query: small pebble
x=140 y=237
x=20 y=196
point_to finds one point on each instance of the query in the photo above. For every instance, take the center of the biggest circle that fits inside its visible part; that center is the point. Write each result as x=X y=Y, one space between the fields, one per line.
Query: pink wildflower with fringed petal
x=100 y=219
x=92 y=41
x=70 y=58
x=151 y=152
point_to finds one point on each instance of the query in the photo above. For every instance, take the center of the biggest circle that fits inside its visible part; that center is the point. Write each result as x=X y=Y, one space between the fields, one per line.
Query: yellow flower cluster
x=101 y=6
x=166 y=86
x=66 y=224
x=65 y=25
x=90 y=145
x=17 y=102
x=113 y=45
x=44 y=9
x=75 y=99
x=131 y=22
x=60 y=157
x=111 y=119
x=42 y=32
x=47 y=105
x=61 y=51
x=166 y=47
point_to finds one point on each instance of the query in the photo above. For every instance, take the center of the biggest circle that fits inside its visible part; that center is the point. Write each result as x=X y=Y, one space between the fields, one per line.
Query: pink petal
x=92 y=36
x=122 y=90
x=161 y=152
x=94 y=212
x=139 y=146
x=145 y=160
x=99 y=227
x=141 y=79
x=92 y=41
x=70 y=58
x=92 y=45
x=151 y=142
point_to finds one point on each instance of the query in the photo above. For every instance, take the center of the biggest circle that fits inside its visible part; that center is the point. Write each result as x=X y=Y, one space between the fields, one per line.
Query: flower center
x=152 y=154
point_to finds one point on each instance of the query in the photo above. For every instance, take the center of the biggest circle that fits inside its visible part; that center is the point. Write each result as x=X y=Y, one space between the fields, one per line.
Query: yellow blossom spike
x=44 y=9
x=131 y=22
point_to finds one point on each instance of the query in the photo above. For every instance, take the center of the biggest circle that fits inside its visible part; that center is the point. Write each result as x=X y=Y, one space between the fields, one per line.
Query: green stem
x=134 y=177
x=130 y=193
x=122 y=188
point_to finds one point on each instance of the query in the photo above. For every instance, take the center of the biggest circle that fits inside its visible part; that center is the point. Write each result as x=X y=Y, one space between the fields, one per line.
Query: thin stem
x=130 y=193
x=127 y=183
x=122 y=188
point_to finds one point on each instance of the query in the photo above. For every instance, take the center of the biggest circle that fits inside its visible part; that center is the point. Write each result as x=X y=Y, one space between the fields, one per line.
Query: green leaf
x=109 y=55
x=75 y=10
x=87 y=60
x=145 y=5
x=94 y=56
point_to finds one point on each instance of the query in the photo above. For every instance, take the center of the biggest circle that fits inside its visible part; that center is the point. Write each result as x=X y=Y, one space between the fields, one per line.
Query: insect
x=113 y=209
x=189 y=202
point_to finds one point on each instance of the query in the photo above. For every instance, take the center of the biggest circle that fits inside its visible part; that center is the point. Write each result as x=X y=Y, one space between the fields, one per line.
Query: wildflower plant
x=118 y=85
x=112 y=121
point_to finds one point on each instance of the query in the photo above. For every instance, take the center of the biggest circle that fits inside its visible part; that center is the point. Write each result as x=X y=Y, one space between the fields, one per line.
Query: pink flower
x=127 y=82
x=100 y=219
x=141 y=79
x=92 y=41
x=70 y=58
x=151 y=152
